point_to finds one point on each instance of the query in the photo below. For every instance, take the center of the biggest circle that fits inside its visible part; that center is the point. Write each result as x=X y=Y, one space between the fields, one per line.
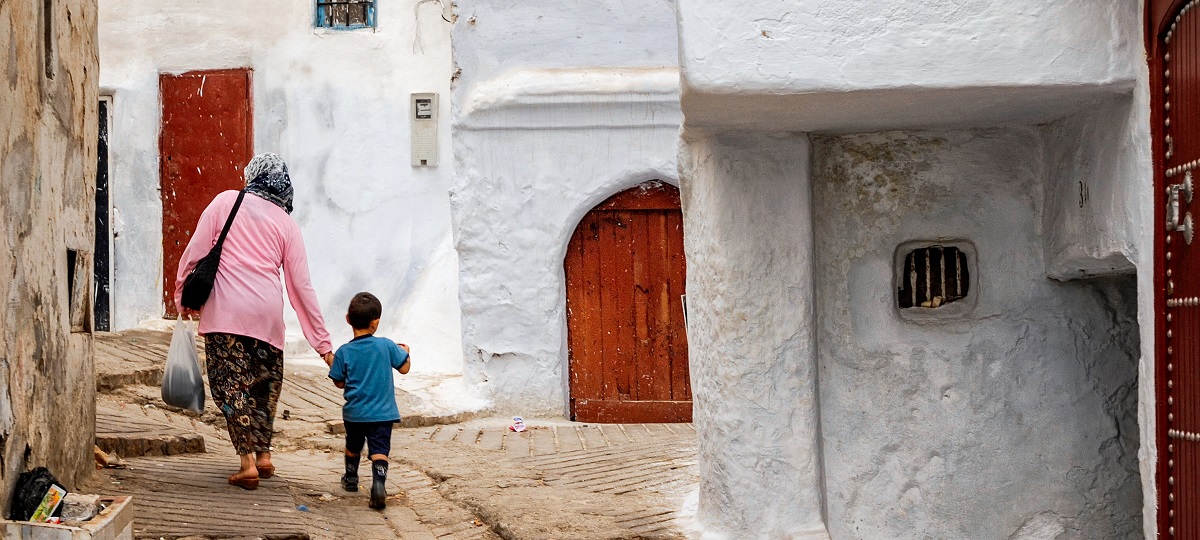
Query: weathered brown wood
x=648 y=196
x=626 y=341
x=677 y=342
x=605 y=360
x=641 y=370
x=656 y=380
x=613 y=412
x=206 y=139
x=625 y=360
x=575 y=307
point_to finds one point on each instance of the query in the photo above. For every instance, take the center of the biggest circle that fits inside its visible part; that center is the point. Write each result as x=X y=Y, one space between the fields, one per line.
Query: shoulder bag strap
x=229 y=221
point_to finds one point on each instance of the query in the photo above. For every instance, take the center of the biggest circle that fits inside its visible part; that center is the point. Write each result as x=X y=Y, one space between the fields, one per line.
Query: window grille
x=345 y=14
x=933 y=277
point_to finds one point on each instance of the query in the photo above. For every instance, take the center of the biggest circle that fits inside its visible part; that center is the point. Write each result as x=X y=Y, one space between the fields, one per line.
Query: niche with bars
x=931 y=276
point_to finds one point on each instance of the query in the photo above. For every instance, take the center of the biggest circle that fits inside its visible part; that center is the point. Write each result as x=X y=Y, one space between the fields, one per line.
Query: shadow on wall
x=1015 y=414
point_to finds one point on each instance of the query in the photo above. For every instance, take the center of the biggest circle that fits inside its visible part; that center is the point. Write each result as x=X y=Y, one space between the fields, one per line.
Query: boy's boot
x=378 y=480
x=350 y=479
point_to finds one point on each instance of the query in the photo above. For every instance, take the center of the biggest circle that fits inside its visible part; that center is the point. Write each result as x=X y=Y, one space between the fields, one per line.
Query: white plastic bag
x=182 y=385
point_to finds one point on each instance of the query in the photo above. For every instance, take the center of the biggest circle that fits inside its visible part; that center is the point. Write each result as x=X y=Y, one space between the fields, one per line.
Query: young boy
x=363 y=368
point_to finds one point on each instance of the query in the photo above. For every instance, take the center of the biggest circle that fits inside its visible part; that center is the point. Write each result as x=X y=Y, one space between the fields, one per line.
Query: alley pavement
x=449 y=478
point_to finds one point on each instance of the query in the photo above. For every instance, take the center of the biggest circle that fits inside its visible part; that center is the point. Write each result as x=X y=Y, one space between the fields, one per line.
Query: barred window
x=345 y=14
x=933 y=276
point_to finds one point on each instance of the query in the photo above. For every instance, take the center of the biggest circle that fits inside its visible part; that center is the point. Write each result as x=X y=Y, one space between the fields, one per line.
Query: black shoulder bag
x=199 y=284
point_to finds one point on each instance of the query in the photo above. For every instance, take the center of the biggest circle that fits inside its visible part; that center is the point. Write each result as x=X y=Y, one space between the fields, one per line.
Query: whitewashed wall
x=795 y=64
x=1015 y=416
x=557 y=107
x=1072 y=76
x=1099 y=220
x=335 y=105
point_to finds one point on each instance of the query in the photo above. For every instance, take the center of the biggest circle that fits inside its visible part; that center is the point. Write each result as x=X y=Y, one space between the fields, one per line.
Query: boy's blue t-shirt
x=365 y=365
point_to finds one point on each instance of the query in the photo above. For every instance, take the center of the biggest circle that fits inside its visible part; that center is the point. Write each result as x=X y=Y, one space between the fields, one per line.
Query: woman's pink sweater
x=247 y=298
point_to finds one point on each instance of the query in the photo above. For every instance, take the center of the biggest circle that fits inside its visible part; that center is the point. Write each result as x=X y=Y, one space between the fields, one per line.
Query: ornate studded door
x=1173 y=39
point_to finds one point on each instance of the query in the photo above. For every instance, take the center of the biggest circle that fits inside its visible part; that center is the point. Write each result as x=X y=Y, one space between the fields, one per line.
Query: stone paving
x=473 y=480
x=658 y=460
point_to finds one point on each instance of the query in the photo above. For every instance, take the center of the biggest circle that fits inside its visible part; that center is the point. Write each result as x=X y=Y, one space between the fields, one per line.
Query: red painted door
x=1173 y=38
x=625 y=328
x=206 y=139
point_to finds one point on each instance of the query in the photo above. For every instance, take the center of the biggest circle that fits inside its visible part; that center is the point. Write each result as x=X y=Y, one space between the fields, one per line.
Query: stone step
x=338 y=427
x=108 y=382
x=130 y=430
x=133 y=357
x=151 y=445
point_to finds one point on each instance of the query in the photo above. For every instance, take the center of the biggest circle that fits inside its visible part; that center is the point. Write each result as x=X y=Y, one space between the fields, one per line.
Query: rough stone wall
x=1016 y=418
x=748 y=236
x=335 y=105
x=553 y=114
x=47 y=178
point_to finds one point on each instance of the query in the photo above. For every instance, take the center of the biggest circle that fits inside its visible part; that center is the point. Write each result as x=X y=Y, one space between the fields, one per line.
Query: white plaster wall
x=748 y=218
x=516 y=205
x=557 y=107
x=335 y=105
x=1074 y=68
x=498 y=36
x=810 y=64
x=1015 y=419
x=1108 y=149
x=1092 y=219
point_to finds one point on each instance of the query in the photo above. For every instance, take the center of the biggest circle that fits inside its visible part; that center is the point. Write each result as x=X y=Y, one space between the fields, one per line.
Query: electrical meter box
x=424 y=118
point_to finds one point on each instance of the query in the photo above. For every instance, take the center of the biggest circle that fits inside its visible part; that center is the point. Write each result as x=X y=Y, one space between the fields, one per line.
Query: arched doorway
x=627 y=347
x=1173 y=31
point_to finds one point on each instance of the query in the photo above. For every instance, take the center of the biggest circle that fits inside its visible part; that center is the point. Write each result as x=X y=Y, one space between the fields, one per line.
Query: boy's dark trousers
x=378 y=439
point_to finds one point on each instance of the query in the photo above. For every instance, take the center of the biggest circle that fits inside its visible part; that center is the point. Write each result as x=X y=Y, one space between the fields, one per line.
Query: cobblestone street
x=463 y=480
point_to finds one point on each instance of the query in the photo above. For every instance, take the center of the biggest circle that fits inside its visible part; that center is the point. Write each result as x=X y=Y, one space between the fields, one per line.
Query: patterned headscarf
x=267 y=176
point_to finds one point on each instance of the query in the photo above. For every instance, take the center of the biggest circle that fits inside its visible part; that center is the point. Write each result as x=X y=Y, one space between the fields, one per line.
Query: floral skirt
x=244 y=377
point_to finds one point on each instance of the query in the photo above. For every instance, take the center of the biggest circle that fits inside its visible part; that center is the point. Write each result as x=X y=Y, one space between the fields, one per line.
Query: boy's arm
x=337 y=371
x=407 y=365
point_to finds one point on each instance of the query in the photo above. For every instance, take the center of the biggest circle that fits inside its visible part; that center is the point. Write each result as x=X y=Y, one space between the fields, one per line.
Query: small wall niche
x=79 y=267
x=934 y=278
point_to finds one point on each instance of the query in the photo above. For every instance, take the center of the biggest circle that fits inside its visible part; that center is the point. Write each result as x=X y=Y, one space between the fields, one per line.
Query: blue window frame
x=345 y=14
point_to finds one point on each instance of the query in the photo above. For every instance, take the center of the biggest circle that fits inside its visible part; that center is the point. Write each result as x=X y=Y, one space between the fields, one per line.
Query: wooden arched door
x=1173 y=41
x=625 y=316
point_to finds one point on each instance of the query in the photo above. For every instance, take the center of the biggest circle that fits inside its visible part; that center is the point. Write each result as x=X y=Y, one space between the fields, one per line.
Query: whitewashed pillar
x=748 y=236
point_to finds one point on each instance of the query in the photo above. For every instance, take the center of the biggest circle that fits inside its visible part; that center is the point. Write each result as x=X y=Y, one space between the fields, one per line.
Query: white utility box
x=424 y=119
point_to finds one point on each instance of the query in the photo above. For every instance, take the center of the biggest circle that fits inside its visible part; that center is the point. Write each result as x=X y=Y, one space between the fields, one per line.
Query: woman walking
x=242 y=321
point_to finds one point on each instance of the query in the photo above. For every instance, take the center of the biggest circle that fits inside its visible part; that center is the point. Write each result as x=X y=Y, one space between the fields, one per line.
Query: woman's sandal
x=265 y=472
x=243 y=482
